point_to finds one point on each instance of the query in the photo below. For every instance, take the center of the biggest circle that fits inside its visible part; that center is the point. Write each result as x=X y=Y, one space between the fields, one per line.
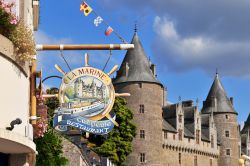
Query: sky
x=187 y=40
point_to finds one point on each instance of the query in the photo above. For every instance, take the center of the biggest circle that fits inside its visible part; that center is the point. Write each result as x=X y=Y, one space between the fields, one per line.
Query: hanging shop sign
x=86 y=99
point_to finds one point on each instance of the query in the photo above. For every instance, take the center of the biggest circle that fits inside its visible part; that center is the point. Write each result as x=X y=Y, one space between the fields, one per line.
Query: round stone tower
x=137 y=77
x=225 y=117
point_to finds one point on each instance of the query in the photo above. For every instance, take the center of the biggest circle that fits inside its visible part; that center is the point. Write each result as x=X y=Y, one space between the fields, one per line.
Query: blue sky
x=187 y=40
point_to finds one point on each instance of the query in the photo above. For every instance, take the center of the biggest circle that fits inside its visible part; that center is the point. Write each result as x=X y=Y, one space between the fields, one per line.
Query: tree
x=52 y=103
x=49 y=150
x=118 y=144
x=49 y=147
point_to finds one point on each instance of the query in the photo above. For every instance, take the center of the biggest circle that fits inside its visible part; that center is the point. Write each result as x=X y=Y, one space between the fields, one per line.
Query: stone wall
x=232 y=142
x=177 y=157
x=151 y=96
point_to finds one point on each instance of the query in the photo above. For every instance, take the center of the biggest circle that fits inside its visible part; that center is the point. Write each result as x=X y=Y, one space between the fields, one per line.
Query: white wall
x=14 y=98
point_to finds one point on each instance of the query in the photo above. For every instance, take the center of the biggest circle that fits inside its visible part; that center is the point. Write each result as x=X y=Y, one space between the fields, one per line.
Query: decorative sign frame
x=86 y=99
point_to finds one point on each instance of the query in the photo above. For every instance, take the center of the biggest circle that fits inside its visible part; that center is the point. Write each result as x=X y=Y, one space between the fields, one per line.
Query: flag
x=108 y=31
x=86 y=9
x=98 y=21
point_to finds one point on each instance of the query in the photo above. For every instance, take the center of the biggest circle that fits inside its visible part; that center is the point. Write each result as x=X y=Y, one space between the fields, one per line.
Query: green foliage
x=118 y=144
x=52 y=103
x=69 y=91
x=49 y=147
x=49 y=150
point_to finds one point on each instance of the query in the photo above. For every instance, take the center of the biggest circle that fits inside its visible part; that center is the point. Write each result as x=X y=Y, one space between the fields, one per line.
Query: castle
x=176 y=134
x=88 y=90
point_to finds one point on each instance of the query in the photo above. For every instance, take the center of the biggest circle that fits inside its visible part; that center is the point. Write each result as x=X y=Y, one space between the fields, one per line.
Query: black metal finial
x=217 y=72
x=197 y=101
x=135 y=27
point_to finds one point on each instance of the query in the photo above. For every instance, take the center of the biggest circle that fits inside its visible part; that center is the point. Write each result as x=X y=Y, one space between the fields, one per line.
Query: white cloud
x=43 y=38
x=179 y=52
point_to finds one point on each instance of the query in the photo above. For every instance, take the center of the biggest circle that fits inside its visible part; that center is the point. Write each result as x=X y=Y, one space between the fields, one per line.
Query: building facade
x=245 y=137
x=16 y=132
x=176 y=134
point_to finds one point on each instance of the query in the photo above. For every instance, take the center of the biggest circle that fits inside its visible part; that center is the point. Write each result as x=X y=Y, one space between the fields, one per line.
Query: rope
x=119 y=36
x=65 y=60
x=110 y=54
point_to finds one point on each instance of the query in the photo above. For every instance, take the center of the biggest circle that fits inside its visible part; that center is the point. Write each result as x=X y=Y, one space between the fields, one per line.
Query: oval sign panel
x=86 y=98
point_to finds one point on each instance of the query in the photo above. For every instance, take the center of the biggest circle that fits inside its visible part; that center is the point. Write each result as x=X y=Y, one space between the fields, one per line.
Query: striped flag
x=86 y=9
x=108 y=31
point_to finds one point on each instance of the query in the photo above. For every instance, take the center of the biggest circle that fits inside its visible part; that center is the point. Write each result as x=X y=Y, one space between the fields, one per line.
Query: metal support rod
x=40 y=47
x=33 y=91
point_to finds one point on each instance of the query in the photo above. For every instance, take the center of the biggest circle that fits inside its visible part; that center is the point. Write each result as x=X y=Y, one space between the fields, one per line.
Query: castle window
x=212 y=141
x=141 y=110
x=142 y=157
x=179 y=158
x=140 y=85
x=180 y=134
x=173 y=136
x=211 y=162
x=142 y=134
x=165 y=134
x=228 y=152
x=197 y=121
x=180 y=118
x=188 y=140
x=197 y=136
x=227 y=133
x=226 y=116
x=195 y=161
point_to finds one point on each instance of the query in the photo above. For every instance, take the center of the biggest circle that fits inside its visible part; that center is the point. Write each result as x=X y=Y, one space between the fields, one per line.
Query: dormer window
x=180 y=134
x=180 y=118
x=212 y=141
x=197 y=136
x=226 y=116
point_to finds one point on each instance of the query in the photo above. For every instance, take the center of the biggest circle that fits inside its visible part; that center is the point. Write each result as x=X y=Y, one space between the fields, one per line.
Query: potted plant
x=8 y=20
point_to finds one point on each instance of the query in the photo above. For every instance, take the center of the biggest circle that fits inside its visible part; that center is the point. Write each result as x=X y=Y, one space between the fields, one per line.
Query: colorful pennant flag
x=108 y=31
x=98 y=21
x=86 y=9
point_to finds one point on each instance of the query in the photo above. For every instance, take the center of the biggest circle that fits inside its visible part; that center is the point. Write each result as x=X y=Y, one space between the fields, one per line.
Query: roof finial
x=135 y=27
x=197 y=101
x=216 y=72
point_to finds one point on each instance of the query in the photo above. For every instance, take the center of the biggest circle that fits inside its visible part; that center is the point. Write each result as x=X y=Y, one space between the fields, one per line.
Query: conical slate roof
x=246 y=125
x=217 y=100
x=135 y=66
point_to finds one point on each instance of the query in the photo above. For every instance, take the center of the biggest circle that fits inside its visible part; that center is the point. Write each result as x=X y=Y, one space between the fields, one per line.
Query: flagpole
x=40 y=47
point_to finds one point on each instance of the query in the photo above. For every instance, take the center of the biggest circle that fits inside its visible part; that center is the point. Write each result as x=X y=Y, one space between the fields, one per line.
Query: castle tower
x=137 y=77
x=225 y=119
x=245 y=137
x=78 y=88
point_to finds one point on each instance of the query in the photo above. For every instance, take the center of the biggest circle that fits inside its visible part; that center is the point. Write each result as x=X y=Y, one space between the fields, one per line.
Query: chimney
x=232 y=100
x=153 y=69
